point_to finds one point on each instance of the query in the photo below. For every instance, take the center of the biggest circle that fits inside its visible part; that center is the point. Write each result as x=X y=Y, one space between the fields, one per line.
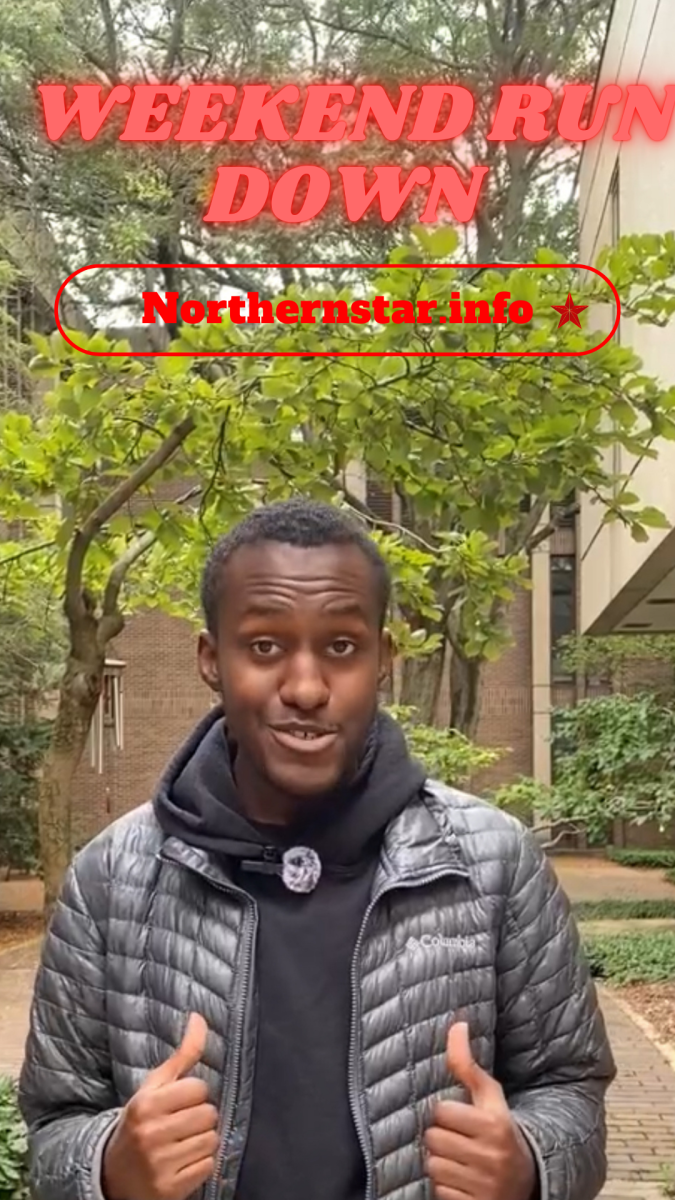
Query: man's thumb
x=185 y=1058
x=484 y=1091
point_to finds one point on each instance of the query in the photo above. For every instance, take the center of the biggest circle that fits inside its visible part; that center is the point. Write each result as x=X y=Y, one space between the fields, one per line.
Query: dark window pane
x=563 y=607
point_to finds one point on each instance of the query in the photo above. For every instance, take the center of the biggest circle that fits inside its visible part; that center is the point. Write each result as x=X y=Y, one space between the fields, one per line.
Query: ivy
x=631 y=957
x=13 y=1145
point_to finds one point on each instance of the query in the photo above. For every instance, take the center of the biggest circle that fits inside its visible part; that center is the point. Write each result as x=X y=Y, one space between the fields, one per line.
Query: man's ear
x=207 y=660
x=386 y=656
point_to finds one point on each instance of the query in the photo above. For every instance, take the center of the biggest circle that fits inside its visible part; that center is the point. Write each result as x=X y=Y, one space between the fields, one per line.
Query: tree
x=121 y=483
x=528 y=199
x=480 y=452
x=99 y=442
x=467 y=439
x=108 y=201
x=13 y=376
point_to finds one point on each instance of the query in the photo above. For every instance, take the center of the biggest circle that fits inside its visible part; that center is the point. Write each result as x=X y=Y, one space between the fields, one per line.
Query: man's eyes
x=343 y=647
x=265 y=647
x=338 y=648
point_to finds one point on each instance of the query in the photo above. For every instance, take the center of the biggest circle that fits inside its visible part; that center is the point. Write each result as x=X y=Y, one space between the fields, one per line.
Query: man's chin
x=305 y=782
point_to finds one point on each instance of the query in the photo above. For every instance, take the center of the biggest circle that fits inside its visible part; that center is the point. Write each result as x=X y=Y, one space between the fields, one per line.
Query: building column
x=541 y=662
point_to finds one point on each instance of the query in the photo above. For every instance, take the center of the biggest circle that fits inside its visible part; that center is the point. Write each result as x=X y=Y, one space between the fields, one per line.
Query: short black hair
x=296 y=522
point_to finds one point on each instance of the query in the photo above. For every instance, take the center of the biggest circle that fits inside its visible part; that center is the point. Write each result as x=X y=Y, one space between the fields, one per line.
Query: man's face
x=298 y=659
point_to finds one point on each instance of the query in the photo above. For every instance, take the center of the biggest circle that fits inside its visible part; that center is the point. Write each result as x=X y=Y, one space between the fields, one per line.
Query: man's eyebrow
x=263 y=608
x=340 y=606
x=347 y=607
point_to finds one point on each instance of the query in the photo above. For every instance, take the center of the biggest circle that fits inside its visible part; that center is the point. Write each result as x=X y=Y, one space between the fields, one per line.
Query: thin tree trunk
x=78 y=696
x=465 y=679
x=421 y=685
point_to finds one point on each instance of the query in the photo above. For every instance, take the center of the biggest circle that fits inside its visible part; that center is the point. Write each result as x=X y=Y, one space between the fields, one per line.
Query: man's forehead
x=262 y=564
x=267 y=576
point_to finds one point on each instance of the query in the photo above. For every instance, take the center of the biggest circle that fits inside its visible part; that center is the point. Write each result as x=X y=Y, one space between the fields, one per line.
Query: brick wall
x=506 y=702
x=163 y=699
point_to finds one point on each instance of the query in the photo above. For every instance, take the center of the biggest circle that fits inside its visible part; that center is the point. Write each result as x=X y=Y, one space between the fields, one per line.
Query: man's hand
x=476 y=1151
x=165 y=1144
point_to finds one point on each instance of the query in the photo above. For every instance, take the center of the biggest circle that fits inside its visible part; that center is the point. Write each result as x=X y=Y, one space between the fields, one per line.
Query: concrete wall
x=640 y=49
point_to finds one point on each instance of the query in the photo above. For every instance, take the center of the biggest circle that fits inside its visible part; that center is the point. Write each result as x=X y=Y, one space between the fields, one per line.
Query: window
x=563 y=609
x=379 y=499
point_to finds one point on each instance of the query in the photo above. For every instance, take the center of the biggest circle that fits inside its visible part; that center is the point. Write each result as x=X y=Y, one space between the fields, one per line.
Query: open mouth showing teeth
x=304 y=737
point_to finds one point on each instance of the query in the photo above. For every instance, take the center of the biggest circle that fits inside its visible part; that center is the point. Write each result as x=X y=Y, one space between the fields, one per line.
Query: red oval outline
x=340 y=353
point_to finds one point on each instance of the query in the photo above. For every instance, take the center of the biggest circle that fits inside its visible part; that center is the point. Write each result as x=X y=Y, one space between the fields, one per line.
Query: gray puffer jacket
x=465 y=918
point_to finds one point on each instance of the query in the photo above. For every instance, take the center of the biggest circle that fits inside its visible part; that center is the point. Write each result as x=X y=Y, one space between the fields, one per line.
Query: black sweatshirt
x=302 y=1142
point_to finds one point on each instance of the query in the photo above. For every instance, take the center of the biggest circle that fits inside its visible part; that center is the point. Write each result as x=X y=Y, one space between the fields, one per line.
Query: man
x=306 y=972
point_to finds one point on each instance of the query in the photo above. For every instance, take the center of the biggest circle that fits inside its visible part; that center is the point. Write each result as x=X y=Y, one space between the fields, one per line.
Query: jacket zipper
x=228 y=1103
x=228 y=1100
x=354 y=1097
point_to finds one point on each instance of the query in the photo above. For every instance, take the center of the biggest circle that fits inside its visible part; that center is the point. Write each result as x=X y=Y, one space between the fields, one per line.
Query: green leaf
x=654 y=518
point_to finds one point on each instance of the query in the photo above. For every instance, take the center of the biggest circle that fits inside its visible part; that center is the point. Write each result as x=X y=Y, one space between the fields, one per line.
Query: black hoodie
x=302 y=1143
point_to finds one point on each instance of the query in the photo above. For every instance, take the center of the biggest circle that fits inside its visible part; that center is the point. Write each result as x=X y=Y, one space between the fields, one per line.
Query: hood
x=197 y=800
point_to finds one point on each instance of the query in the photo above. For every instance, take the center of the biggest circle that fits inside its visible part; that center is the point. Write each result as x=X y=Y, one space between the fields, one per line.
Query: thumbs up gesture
x=476 y=1151
x=165 y=1143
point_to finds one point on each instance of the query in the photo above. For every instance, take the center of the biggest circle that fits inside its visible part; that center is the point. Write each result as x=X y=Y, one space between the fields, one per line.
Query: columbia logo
x=430 y=940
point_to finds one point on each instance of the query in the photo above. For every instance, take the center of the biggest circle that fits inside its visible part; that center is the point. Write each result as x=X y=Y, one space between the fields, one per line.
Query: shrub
x=624 y=910
x=13 y=1146
x=615 y=761
x=631 y=957
x=522 y=798
x=445 y=753
x=653 y=859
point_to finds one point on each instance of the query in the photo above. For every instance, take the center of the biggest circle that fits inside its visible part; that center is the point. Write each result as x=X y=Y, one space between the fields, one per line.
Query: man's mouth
x=303 y=739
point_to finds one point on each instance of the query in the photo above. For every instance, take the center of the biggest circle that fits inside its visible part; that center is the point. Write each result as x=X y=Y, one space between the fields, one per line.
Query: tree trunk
x=421 y=685
x=78 y=696
x=465 y=678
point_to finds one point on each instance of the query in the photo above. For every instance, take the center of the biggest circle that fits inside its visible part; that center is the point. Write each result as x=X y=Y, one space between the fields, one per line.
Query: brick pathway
x=641 y=1111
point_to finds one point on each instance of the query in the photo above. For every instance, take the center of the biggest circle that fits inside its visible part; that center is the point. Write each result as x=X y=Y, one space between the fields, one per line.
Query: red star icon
x=569 y=311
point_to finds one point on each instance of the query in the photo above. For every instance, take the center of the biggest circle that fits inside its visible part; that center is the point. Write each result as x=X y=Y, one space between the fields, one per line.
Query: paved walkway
x=593 y=879
x=641 y=1111
x=17 y=971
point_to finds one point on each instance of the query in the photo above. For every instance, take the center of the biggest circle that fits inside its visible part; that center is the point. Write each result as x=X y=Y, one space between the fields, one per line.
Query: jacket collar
x=421 y=843
x=418 y=844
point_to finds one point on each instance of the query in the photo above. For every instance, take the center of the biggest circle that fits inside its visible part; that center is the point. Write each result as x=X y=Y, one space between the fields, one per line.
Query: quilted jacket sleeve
x=66 y=1091
x=553 y=1060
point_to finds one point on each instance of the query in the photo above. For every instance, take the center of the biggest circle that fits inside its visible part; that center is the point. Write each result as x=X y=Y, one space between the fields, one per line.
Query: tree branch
x=74 y=603
x=524 y=536
x=364 y=511
x=10 y=558
x=118 y=574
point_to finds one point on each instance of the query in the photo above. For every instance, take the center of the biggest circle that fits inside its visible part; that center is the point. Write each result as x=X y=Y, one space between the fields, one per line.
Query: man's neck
x=260 y=802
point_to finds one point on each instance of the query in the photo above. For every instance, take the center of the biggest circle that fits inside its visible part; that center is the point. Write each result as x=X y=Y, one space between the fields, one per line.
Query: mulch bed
x=18 y=927
x=656 y=1003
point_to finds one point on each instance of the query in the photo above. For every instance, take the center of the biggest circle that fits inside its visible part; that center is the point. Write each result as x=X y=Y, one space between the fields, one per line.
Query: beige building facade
x=629 y=188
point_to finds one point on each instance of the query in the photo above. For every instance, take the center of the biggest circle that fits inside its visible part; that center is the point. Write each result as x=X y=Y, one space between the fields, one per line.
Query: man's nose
x=304 y=684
